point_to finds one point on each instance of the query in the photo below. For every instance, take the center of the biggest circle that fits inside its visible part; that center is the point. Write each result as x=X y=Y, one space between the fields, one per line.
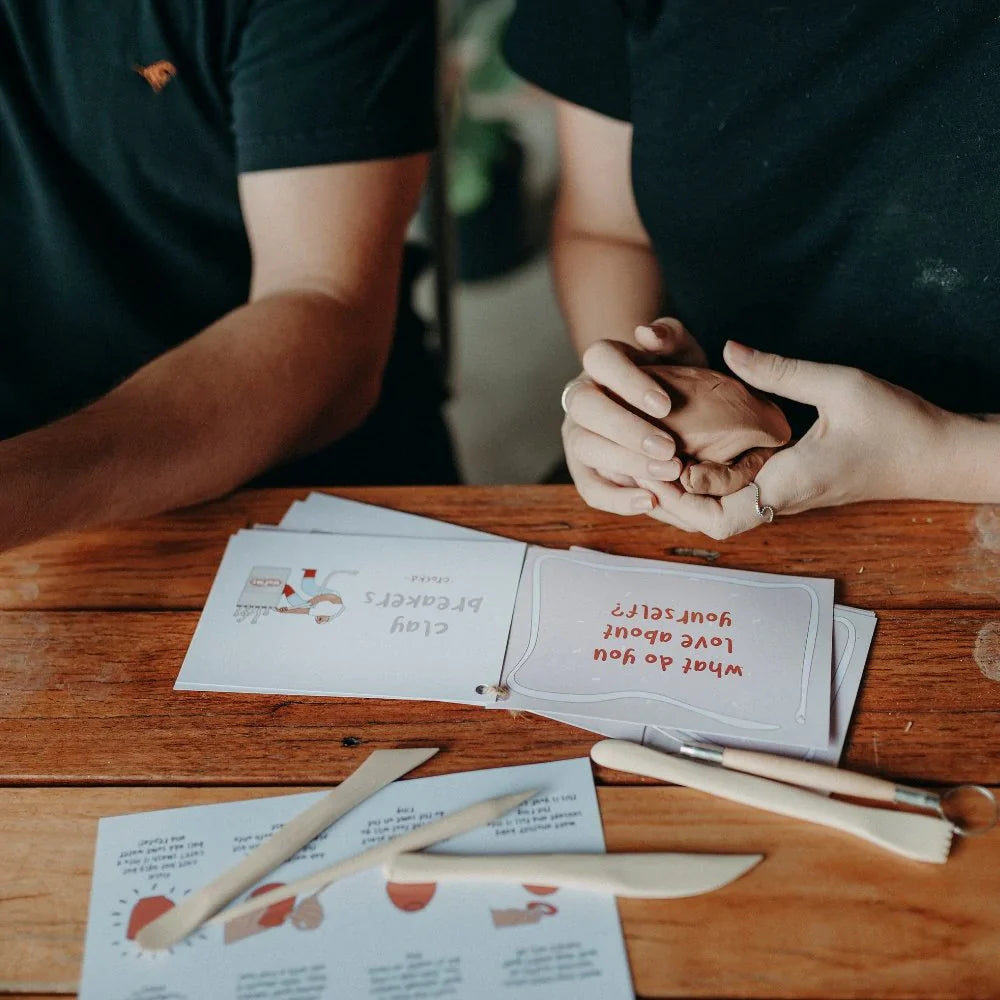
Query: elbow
x=365 y=399
x=347 y=409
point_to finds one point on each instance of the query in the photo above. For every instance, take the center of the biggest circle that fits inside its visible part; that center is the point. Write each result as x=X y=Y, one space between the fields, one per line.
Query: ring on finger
x=571 y=384
x=765 y=512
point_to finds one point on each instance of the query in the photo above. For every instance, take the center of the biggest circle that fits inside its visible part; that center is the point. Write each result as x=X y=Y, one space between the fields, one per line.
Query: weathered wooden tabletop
x=93 y=627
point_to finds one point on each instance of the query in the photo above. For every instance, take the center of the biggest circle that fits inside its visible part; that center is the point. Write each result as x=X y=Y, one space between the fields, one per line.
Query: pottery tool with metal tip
x=824 y=778
x=923 y=838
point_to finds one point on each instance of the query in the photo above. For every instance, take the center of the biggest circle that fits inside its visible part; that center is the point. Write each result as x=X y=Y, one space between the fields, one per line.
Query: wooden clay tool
x=381 y=768
x=422 y=836
x=638 y=876
x=824 y=778
x=923 y=838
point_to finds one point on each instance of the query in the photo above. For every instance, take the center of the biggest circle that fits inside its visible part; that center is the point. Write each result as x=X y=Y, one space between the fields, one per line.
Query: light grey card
x=713 y=651
x=323 y=512
x=853 y=631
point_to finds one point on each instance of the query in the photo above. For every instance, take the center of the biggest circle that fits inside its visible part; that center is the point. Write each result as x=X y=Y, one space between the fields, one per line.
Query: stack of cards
x=347 y=599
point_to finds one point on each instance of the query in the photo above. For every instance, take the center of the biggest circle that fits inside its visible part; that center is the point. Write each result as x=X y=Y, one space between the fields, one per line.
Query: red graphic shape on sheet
x=276 y=914
x=145 y=911
x=546 y=909
x=410 y=897
x=257 y=923
x=542 y=890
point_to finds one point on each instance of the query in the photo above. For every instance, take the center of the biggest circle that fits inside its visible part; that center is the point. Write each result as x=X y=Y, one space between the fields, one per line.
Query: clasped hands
x=871 y=440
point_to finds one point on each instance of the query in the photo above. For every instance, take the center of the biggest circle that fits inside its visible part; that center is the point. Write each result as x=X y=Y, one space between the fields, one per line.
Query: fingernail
x=657 y=404
x=664 y=470
x=659 y=446
x=646 y=328
x=738 y=352
x=645 y=502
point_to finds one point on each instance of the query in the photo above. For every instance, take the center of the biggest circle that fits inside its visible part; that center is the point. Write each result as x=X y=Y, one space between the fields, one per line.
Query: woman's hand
x=609 y=447
x=871 y=441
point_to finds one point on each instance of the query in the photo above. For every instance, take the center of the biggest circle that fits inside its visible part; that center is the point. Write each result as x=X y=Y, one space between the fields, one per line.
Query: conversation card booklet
x=852 y=633
x=754 y=660
x=355 y=615
x=361 y=937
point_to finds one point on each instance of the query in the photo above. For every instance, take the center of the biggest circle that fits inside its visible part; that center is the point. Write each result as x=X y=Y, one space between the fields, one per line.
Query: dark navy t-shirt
x=819 y=180
x=123 y=127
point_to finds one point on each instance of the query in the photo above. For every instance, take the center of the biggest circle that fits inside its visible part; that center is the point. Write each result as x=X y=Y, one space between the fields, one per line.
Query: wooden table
x=93 y=628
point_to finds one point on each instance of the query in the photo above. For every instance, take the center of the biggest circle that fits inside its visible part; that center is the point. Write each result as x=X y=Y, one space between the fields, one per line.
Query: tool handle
x=802 y=772
x=751 y=791
x=413 y=840
x=638 y=876
x=624 y=875
x=924 y=838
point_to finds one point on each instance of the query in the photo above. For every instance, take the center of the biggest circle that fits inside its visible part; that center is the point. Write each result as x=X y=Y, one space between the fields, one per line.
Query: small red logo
x=157 y=74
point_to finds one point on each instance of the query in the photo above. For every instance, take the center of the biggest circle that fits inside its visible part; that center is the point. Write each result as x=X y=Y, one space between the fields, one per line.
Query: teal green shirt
x=123 y=127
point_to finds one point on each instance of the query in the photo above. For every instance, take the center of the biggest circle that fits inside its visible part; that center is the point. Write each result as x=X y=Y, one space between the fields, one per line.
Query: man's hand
x=609 y=446
x=871 y=441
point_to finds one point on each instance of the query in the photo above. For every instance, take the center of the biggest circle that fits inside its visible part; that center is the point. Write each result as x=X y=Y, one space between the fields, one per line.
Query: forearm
x=968 y=461
x=606 y=287
x=281 y=376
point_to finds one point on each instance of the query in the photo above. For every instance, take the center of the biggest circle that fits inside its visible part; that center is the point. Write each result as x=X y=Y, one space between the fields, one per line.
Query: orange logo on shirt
x=157 y=74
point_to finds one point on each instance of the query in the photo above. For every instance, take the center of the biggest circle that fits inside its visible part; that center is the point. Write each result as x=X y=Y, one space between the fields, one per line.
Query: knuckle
x=853 y=383
x=782 y=368
x=587 y=492
x=598 y=355
x=719 y=529
x=579 y=401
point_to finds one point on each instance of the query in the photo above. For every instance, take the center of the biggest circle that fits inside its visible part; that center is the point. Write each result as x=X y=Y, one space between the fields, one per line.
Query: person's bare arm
x=295 y=368
x=606 y=276
x=609 y=288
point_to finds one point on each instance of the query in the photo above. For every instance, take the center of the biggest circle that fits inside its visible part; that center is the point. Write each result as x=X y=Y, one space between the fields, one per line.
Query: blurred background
x=487 y=215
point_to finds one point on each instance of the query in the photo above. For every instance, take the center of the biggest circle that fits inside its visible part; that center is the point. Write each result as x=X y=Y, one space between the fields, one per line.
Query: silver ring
x=765 y=513
x=564 y=398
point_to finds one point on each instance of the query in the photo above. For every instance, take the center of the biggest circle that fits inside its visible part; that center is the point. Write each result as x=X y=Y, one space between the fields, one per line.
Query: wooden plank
x=87 y=698
x=825 y=915
x=889 y=555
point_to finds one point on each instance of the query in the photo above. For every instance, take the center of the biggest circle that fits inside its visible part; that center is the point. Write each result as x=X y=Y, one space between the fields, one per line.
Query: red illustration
x=412 y=897
x=255 y=923
x=145 y=911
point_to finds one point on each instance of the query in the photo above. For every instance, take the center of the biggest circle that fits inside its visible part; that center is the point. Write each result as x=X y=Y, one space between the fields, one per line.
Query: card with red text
x=702 y=649
x=853 y=631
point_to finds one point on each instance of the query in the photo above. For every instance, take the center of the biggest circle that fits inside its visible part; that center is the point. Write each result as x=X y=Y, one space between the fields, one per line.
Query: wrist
x=967 y=460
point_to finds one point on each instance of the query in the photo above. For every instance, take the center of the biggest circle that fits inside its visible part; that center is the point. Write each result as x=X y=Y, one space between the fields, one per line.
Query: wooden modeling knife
x=663 y=875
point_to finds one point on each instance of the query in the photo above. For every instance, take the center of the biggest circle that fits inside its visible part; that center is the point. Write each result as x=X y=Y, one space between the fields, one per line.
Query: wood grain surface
x=888 y=555
x=87 y=697
x=824 y=915
x=93 y=628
